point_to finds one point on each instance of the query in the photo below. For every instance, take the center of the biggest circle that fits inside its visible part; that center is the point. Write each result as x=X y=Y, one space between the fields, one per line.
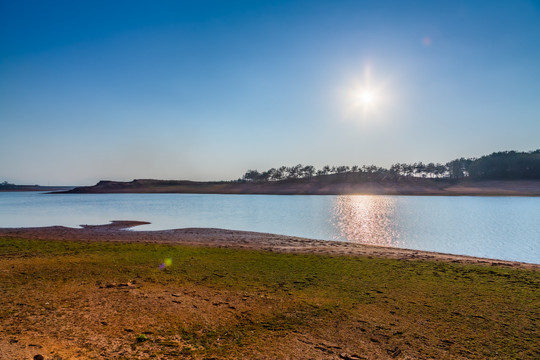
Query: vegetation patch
x=115 y=300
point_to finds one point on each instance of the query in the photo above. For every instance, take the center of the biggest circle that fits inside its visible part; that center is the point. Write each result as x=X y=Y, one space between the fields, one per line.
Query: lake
x=495 y=227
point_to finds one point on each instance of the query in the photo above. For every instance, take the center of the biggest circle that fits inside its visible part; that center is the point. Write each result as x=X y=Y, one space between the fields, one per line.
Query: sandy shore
x=118 y=231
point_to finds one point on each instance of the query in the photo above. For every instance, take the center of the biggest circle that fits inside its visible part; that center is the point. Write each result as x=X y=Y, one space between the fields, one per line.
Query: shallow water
x=496 y=227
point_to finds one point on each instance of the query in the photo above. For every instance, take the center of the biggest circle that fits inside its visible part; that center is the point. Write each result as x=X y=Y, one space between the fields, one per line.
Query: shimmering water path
x=496 y=227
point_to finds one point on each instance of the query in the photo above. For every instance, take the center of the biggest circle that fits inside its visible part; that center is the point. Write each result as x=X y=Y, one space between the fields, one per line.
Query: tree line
x=504 y=165
x=5 y=185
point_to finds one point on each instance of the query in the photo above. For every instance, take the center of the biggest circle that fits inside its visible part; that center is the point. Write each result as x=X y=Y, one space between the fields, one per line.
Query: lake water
x=494 y=227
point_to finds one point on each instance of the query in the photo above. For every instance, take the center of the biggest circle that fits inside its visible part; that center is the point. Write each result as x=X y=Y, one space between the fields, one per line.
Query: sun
x=367 y=97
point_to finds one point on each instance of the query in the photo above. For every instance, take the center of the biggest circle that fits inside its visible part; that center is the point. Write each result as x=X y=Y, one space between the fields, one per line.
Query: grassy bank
x=75 y=299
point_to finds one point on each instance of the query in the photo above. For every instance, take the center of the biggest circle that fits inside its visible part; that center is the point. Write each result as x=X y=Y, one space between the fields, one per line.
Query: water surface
x=495 y=227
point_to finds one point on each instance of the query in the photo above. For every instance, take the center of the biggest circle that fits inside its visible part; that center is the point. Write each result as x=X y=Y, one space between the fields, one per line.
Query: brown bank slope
x=322 y=186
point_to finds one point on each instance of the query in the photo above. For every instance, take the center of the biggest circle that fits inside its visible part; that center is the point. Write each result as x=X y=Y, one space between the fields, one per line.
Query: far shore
x=321 y=186
x=28 y=188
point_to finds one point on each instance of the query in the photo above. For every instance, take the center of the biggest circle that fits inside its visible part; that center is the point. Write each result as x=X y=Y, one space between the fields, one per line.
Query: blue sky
x=205 y=90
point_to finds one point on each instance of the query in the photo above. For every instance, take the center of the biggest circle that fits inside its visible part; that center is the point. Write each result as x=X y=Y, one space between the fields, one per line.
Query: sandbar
x=119 y=231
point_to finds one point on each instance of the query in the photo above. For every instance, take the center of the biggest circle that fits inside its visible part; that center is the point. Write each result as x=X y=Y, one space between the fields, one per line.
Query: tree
x=308 y=171
x=295 y=172
x=430 y=169
x=284 y=171
x=501 y=165
x=6 y=185
x=276 y=174
x=419 y=169
x=326 y=170
x=459 y=168
x=251 y=175
x=342 y=169
x=440 y=170
x=506 y=165
x=396 y=170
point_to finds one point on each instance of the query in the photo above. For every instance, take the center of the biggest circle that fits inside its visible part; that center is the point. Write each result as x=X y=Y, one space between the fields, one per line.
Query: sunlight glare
x=367 y=97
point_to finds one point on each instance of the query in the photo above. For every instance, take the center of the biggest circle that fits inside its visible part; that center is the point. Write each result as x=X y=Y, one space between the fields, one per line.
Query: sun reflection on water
x=367 y=219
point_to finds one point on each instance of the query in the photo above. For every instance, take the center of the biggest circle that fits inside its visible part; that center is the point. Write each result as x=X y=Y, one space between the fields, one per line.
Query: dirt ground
x=99 y=313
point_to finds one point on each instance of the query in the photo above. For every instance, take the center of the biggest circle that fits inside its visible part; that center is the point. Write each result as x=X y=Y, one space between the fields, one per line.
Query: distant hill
x=500 y=173
x=327 y=185
x=5 y=186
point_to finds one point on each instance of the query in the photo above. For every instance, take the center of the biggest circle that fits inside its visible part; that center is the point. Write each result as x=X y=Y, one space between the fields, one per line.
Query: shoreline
x=118 y=231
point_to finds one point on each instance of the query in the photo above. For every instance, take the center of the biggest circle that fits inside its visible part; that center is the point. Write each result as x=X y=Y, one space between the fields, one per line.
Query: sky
x=205 y=90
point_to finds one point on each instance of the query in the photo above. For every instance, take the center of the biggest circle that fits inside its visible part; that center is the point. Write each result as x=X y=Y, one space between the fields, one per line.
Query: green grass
x=427 y=309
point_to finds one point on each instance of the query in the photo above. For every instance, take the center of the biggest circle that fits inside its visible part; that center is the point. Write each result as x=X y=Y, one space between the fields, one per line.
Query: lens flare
x=166 y=263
